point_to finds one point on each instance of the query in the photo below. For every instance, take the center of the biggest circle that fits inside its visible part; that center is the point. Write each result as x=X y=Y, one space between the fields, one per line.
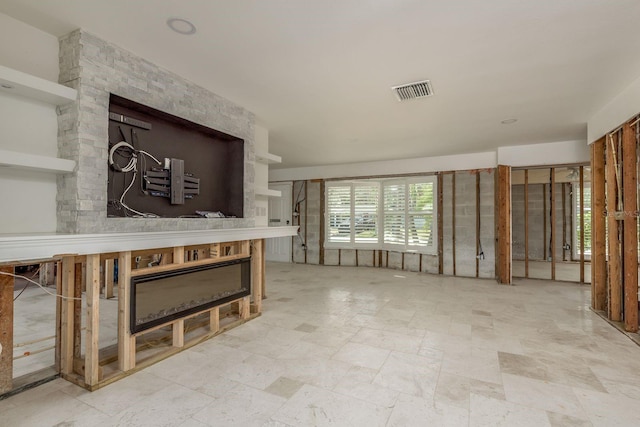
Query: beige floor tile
x=313 y=406
x=542 y=395
x=415 y=411
x=487 y=412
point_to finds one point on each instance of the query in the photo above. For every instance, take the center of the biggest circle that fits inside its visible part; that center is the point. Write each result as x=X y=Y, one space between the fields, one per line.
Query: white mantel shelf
x=35 y=162
x=23 y=84
x=21 y=248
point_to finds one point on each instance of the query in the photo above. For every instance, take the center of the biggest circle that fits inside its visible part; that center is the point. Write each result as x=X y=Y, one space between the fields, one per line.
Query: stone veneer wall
x=97 y=68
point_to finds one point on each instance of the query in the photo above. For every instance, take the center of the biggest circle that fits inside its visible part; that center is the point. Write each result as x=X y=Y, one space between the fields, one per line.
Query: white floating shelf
x=17 y=160
x=267 y=158
x=266 y=192
x=23 y=84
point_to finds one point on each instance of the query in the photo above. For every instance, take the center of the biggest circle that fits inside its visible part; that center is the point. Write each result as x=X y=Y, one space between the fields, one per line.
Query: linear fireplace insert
x=162 y=297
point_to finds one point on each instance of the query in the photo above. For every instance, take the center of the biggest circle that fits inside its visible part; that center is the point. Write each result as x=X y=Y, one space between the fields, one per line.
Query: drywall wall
x=389 y=167
x=28 y=126
x=552 y=153
x=622 y=107
x=35 y=54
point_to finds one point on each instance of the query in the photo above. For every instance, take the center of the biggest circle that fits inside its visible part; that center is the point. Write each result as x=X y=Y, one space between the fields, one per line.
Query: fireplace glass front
x=162 y=297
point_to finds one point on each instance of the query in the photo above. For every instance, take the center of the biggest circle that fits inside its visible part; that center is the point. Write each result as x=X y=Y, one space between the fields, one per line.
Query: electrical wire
x=26 y=285
x=39 y=285
x=131 y=166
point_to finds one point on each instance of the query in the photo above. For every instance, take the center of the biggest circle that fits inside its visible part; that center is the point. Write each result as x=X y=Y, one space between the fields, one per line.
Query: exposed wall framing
x=614 y=160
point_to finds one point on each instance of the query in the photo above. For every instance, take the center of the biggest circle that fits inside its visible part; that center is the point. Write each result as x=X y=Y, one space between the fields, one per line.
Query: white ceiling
x=317 y=73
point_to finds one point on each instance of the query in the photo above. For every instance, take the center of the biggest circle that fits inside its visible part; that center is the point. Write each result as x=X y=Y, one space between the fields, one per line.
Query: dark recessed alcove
x=214 y=158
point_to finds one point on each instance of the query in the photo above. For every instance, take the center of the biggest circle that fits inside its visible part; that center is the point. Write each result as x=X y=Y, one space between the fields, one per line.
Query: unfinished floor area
x=374 y=347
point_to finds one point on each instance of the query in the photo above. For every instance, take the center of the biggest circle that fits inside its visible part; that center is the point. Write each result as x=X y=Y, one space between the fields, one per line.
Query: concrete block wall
x=309 y=195
x=538 y=213
x=97 y=68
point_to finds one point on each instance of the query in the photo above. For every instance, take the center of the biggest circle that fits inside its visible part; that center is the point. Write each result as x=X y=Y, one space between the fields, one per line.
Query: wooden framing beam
x=440 y=225
x=581 y=237
x=6 y=329
x=108 y=278
x=177 y=331
x=477 y=223
x=78 y=284
x=91 y=351
x=544 y=222
x=552 y=226
x=257 y=274
x=630 y=227
x=126 y=342
x=453 y=221
x=67 y=315
x=615 y=283
x=564 y=221
x=503 y=219
x=526 y=223
x=598 y=228
x=323 y=223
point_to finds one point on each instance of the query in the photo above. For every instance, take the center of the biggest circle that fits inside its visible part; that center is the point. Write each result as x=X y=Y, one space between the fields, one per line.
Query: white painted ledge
x=267 y=192
x=268 y=158
x=20 y=248
x=23 y=84
x=26 y=161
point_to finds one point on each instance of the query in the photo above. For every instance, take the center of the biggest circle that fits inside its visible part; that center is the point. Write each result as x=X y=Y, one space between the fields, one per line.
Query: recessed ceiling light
x=6 y=86
x=181 y=26
x=508 y=121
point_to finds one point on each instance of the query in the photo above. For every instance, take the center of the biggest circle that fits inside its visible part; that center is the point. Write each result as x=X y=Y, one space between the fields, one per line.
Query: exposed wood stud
x=477 y=223
x=440 y=225
x=214 y=319
x=58 y=342
x=598 y=230
x=615 y=284
x=453 y=221
x=257 y=273
x=306 y=217
x=564 y=221
x=322 y=223
x=6 y=329
x=544 y=222
x=630 y=227
x=67 y=316
x=178 y=255
x=77 y=310
x=581 y=237
x=108 y=278
x=177 y=330
x=503 y=218
x=91 y=360
x=126 y=342
x=526 y=223
x=552 y=225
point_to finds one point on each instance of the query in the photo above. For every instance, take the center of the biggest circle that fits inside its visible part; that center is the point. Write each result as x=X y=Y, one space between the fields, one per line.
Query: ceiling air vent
x=413 y=90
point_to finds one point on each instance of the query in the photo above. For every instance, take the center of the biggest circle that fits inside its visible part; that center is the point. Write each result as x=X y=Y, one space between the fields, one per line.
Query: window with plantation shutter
x=338 y=213
x=365 y=213
x=577 y=222
x=420 y=219
x=395 y=214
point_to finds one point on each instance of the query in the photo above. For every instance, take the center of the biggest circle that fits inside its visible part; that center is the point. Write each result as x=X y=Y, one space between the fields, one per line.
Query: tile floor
x=374 y=347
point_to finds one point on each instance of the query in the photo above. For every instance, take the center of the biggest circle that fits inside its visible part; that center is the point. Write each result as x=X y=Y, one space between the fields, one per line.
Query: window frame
x=380 y=243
